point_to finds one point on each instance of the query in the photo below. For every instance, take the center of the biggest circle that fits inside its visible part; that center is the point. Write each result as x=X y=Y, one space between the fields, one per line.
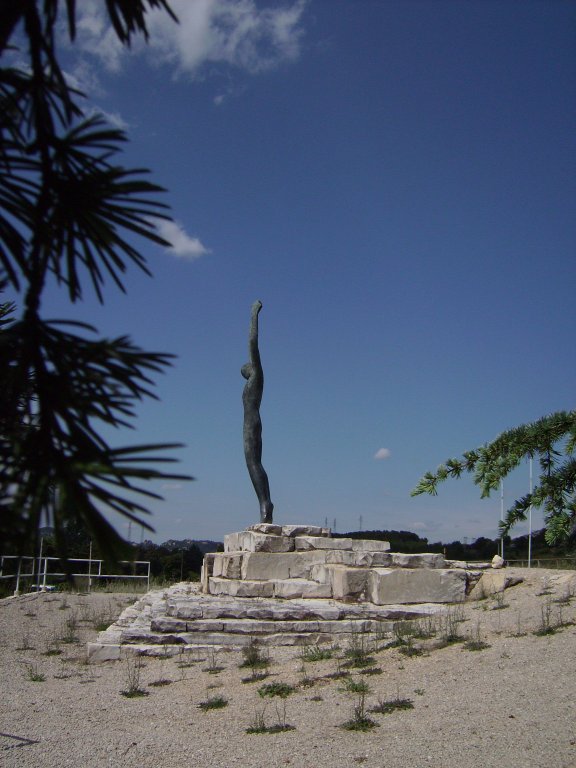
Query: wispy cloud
x=233 y=32
x=382 y=453
x=182 y=244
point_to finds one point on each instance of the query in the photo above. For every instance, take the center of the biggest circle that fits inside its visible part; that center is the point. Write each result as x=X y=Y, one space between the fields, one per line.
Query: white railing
x=40 y=572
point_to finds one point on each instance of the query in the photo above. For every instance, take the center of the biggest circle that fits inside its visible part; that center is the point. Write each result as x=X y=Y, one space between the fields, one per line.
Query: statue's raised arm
x=251 y=398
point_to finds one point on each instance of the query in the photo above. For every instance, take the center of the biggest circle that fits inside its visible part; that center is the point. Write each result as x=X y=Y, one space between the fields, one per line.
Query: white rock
x=349 y=583
x=368 y=545
x=237 y=588
x=228 y=565
x=359 y=559
x=270 y=528
x=303 y=588
x=305 y=543
x=399 y=585
x=303 y=530
x=287 y=565
x=425 y=560
x=497 y=562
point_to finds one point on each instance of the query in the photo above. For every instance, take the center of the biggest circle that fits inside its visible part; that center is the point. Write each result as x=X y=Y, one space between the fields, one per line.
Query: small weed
x=565 y=598
x=410 y=650
x=255 y=677
x=68 y=632
x=33 y=674
x=355 y=686
x=499 y=602
x=52 y=651
x=213 y=702
x=276 y=689
x=133 y=671
x=386 y=707
x=360 y=720
x=450 y=631
x=258 y=723
x=358 y=652
x=316 y=698
x=255 y=656
x=425 y=628
x=370 y=671
x=313 y=653
x=25 y=643
x=213 y=667
x=475 y=642
x=545 y=627
x=419 y=691
x=519 y=631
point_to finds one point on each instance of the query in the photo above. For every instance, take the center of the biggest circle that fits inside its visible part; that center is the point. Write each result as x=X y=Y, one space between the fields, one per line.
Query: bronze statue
x=251 y=398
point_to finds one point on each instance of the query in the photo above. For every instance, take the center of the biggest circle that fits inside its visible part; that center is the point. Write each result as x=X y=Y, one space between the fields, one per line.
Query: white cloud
x=182 y=245
x=417 y=525
x=383 y=453
x=233 y=32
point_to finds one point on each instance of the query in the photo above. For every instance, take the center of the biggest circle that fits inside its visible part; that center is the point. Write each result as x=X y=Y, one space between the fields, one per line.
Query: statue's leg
x=266 y=508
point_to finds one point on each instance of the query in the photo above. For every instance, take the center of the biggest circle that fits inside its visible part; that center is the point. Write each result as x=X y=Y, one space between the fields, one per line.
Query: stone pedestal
x=299 y=561
x=290 y=585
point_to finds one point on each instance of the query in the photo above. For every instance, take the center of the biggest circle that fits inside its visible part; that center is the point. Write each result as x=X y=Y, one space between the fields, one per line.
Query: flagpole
x=530 y=521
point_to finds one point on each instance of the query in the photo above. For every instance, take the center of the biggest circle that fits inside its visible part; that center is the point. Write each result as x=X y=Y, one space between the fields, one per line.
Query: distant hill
x=204 y=545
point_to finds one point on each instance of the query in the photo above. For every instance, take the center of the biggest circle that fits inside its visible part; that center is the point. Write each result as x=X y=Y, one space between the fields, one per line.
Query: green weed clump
x=258 y=724
x=360 y=720
x=213 y=702
x=276 y=689
x=311 y=653
x=358 y=652
x=386 y=707
x=257 y=660
x=33 y=674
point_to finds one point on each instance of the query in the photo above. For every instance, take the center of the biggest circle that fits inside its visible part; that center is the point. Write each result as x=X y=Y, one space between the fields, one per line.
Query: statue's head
x=246 y=370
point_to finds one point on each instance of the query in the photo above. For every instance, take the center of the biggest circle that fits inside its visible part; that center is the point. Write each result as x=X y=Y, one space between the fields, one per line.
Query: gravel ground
x=510 y=704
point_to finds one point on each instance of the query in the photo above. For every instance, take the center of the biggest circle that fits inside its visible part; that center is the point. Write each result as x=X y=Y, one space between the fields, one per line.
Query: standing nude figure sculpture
x=251 y=398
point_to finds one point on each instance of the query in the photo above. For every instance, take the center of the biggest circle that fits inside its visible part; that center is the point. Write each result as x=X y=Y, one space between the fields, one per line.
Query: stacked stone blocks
x=299 y=561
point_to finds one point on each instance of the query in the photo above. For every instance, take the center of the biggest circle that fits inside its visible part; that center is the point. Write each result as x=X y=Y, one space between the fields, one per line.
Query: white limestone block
x=424 y=560
x=232 y=542
x=98 y=652
x=359 y=559
x=305 y=543
x=368 y=545
x=270 y=528
x=349 y=583
x=303 y=530
x=303 y=588
x=228 y=565
x=261 y=542
x=286 y=565
x=491 y=582
x=237 y=588
x=418 y=585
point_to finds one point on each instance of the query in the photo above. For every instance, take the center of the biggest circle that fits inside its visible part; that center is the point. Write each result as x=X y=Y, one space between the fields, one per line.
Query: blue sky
x=395 y=180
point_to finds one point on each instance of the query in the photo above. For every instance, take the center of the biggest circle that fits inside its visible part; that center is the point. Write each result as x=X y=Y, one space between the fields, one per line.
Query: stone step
x=259 y=627
x=208 y=607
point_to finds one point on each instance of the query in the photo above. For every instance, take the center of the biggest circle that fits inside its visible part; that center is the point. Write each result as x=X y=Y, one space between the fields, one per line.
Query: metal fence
x=37 y=570
x=566 y=562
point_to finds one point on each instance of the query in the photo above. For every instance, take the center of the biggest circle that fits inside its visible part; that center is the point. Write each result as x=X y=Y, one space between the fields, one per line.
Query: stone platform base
x=181 y=619
x=306 y=562
x=293 y=585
